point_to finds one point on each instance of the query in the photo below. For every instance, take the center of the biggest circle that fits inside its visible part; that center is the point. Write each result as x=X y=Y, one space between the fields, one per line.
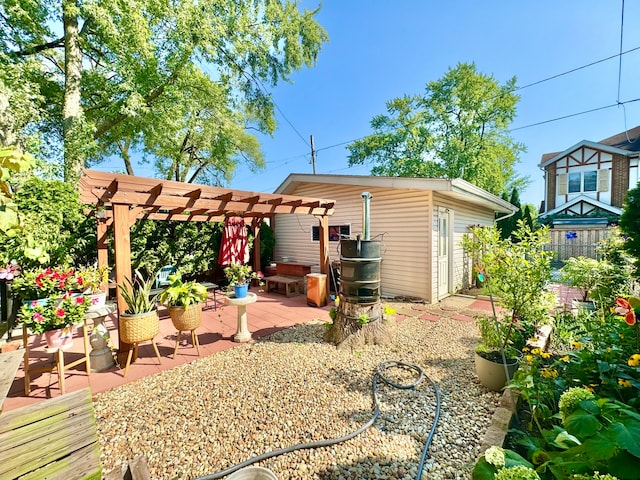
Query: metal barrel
x=360 y=270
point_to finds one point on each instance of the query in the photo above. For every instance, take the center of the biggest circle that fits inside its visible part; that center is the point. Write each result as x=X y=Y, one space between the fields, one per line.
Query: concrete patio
x=272 y=312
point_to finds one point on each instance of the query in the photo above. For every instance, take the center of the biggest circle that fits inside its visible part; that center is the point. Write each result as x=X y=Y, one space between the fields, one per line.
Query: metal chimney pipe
x=366 y=219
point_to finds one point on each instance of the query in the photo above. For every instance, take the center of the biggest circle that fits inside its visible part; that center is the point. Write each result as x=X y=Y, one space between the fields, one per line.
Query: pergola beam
x=123 y=199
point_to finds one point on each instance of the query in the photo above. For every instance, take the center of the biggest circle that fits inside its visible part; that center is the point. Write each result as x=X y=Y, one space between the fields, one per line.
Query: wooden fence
x=572 y=242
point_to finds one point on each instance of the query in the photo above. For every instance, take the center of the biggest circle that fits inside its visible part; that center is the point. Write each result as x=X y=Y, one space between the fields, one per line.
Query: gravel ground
x=291 y=388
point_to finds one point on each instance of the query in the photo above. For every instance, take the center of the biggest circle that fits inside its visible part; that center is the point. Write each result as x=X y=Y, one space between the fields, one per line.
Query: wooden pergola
x=121 y=200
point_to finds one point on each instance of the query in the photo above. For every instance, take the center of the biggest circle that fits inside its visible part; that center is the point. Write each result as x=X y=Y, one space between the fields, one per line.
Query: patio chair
x=162 y=278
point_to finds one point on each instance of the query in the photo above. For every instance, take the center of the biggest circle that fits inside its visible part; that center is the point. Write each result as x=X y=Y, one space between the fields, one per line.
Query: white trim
x=456 y=188
x=582 y=198
x=589 y=144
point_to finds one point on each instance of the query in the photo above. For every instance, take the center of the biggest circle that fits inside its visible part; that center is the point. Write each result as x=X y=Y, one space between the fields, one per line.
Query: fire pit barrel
x=360 y=270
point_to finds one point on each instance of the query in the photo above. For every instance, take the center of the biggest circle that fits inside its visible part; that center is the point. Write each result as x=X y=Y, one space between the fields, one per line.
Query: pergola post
x=323 y=221
x=255 y=227
x=122 y=259
x=101 y=240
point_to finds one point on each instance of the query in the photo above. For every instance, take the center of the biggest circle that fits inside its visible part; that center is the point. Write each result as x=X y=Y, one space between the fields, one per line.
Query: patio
x=272 y=312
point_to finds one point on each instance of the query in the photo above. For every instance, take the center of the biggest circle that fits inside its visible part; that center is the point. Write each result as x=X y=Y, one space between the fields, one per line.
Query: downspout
x=505 y=216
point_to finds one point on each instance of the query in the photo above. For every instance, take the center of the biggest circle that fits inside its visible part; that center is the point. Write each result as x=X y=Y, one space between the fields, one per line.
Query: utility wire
x=574 y=114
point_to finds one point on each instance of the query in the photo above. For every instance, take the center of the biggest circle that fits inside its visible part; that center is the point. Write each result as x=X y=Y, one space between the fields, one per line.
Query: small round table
x=243 y=334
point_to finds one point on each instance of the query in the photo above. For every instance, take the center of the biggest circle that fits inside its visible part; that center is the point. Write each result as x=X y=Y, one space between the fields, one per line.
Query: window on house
x=574 y=182
x=335 y=232
x=590 y=180
x=582 y=182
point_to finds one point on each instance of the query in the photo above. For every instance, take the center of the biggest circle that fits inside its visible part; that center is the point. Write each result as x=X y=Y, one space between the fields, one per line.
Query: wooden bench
x=53 y=439
x=57 y=439
x=290 y=286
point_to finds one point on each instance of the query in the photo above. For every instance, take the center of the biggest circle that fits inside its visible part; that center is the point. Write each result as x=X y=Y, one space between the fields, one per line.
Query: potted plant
x=239 y=276
x=54 y=318
x=585 y=275
x=40 y=284
x=184 y=302
x=517 y=271
x=140 y=321
x=93 y=280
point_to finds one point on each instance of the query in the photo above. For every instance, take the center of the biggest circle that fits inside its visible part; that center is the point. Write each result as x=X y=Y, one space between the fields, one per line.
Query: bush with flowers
x=43 y=283
x=58 y=312
x=580 y=407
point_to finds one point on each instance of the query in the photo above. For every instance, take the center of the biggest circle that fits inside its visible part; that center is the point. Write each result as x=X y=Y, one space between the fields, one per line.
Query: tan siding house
x=419 y=221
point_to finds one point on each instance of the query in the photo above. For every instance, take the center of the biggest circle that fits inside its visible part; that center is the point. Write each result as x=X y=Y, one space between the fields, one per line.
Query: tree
x=510 y=224
x=630 y=225
x=114 y=77
x=457 y=129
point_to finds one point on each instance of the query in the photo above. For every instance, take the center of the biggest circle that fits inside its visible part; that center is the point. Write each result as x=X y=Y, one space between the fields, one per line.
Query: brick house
x=585 y=186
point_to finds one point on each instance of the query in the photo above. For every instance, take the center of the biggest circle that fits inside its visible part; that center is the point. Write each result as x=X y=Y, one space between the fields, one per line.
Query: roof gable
x=583 y=198
x=624 y=143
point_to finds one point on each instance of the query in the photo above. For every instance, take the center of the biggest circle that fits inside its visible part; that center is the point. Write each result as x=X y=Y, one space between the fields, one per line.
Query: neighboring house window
x=590 y=181
x=335 y=232
x=576 y=182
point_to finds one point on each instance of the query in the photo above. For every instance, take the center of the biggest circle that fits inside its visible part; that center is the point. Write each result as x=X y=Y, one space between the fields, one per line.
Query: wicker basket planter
x=186 y=318
x=139 y=327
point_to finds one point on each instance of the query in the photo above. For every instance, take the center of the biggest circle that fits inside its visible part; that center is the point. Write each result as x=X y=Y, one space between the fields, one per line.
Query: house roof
x=454 y=188
x=583 y=198
x=623 y=143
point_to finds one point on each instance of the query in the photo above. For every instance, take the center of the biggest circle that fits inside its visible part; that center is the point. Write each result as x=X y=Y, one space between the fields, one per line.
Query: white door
x=444 y=227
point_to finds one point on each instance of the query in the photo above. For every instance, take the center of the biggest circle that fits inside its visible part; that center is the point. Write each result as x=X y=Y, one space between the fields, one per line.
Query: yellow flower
x=588 y=388
x=525 y=349
x=545 y=354
x=536 y=351
x=634 y=360
x=548 y=373
x=577 y=344
x=565 y=359
x=533 y=340
x=624 y=383
x=528 y=358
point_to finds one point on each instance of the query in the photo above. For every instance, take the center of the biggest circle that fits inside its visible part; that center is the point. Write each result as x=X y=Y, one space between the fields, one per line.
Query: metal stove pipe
x=366 y=218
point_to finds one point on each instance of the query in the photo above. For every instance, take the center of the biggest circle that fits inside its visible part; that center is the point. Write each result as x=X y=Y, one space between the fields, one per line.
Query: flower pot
x=492 y=374
x=43 y=302
x=139 y=327
x=186 y=318
x=240 y=291
x=61 y=338
x=96 y=300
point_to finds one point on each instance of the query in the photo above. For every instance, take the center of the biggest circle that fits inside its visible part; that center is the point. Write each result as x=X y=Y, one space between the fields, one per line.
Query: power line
x=574 y=114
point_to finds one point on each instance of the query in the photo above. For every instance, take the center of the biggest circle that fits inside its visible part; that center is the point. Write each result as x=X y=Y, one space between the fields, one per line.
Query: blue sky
x=380 y=50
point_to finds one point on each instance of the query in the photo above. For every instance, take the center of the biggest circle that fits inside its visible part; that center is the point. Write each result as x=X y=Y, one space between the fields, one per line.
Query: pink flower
x=94 y=301
x=38 y=317
x=34 y=304
x=60 y=312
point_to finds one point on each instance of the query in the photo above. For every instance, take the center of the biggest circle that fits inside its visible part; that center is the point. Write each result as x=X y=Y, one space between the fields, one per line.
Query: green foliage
x=191 y=246
x=92 y=278
x=12 y=161
x=630 y=225
x=332 y=313
x=518 y=272
x=55 y=230
x=181 y=81
x=459 y=128
x=137 y=294
x=239 y=274
x=583 y=273
x=363 y=319
x=182 y=294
